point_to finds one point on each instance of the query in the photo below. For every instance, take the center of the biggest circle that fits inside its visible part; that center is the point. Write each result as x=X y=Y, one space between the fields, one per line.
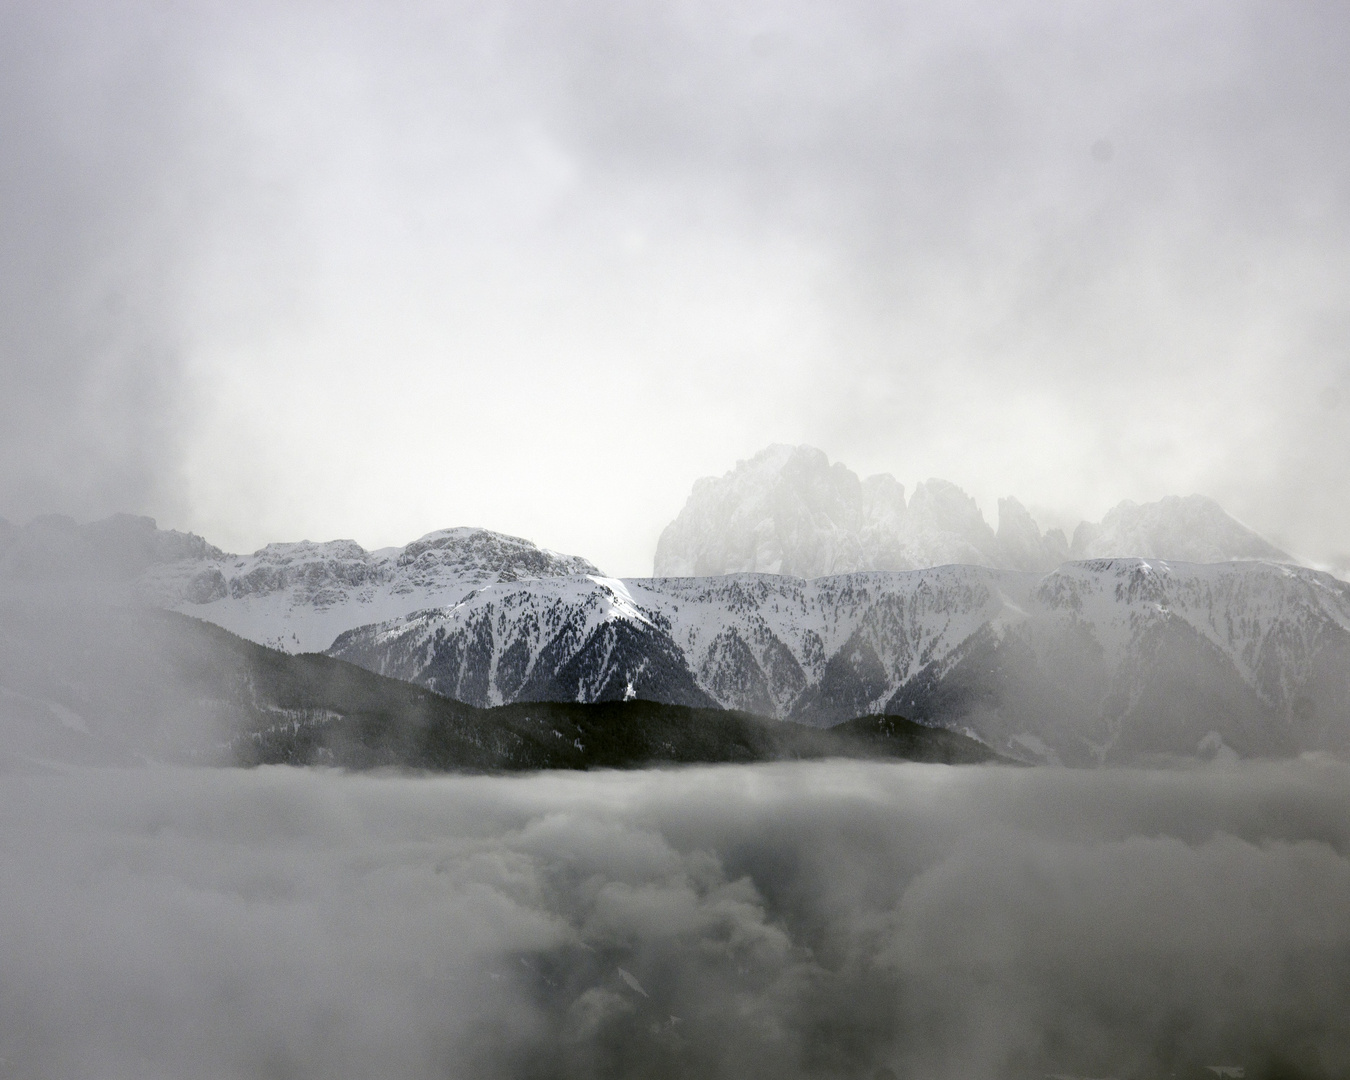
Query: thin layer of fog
x=832 y=919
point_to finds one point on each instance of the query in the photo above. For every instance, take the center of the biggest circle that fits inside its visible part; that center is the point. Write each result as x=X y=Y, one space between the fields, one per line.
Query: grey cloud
x=1165 y=298
x=89 y=119
x=823 y=920
x=883 y=125
x=121 y=170
x=179 y=184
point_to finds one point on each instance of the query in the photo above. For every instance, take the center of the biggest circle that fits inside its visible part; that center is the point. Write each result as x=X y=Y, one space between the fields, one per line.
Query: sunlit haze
x=274 y=272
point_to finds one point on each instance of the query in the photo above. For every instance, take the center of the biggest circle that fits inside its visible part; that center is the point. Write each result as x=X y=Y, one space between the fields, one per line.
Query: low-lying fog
x=835 y=919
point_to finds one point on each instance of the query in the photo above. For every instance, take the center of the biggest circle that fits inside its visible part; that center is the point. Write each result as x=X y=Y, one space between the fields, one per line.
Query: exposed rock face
x=786 y=511
x=1021 y=545
x=945 y=526
x=789 y=511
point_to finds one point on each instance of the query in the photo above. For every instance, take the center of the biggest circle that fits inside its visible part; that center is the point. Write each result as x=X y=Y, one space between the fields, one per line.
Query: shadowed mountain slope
x=1100 y=661
x=118 y=685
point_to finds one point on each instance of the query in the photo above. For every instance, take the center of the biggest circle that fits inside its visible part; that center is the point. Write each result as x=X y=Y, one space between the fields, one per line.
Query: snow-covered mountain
x=292 y=596
x=296 y=597
x=1097 y=661
x=788 y=510
x=299 y=596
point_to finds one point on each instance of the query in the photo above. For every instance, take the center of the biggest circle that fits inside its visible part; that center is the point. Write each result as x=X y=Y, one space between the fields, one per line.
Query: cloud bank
x=370 y=270
x=836 y=919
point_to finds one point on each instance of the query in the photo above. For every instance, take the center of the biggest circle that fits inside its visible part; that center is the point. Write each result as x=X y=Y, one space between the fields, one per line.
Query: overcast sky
x=272 y=271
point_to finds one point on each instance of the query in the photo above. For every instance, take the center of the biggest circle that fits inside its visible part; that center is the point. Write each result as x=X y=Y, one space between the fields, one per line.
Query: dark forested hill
x=435 y=733
x=115 y=684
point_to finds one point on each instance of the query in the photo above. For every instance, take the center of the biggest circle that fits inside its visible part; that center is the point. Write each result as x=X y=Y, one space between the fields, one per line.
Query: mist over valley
x=727 y=848
x=659 y=541
x=829 y=919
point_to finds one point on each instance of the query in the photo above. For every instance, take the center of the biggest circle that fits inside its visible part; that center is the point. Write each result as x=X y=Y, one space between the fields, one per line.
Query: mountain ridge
x=114 y=685
x=1081 y=665
x=788 y=510
x=299 y=596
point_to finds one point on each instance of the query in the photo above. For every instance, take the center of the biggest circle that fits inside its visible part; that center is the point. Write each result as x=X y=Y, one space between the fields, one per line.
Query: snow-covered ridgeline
x=742 y=636
x=506 y=642
x=299 y=596
x=1255 y=613
x=1084 y=645
x=759 y=642
x=1098 y=659
x=1264 y=617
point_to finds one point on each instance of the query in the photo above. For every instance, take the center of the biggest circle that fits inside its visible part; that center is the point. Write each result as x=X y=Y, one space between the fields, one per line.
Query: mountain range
x=1098 y=661
x=788 y=510
x=1095 y=660
x=292 y=596
x=300 y=596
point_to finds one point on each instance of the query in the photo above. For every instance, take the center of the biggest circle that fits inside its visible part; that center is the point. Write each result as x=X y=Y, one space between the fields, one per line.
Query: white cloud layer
x=831 y=919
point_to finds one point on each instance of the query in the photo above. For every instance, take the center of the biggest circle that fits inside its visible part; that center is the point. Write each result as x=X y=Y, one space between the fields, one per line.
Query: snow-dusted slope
x=789 y=511
x=299 y=596
x=1095 y=661
x=754 y=642
x=556 y=639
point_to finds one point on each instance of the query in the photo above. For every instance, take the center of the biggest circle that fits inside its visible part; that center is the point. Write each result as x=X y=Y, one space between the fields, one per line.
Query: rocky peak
x=1190 y=529
x=479 y=551
x=788 y=510
x=1021 y=545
